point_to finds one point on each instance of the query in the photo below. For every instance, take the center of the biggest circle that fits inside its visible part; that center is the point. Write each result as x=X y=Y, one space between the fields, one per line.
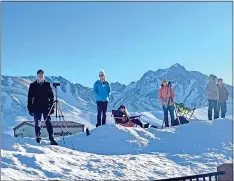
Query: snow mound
x=193 y=138
x=118 y=153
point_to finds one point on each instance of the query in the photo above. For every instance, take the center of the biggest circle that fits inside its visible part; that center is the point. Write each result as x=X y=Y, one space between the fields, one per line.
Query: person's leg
x=137 y=122
x=165 y=110
x=99 y=111
x=218 y=109
x=223 y=109
x=215 y=104
x=171 y=110
x=210 y=107
x=37 y=118
x=104 y=109
x=49 y=126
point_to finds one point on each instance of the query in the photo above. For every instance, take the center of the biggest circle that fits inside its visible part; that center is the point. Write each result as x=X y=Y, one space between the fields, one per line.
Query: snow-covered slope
x=116 y=153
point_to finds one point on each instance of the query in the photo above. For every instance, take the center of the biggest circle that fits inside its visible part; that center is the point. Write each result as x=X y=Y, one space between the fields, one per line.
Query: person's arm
x=160 y=95
x=217 y=92
x=172 y=93
x=51 y=95
x=109 y=89
x=30 y=98
x=227 y=94
x=95 y=89
x=207 y=89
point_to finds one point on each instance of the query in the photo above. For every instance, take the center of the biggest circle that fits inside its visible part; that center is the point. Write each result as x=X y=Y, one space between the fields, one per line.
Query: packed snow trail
x=117 y=153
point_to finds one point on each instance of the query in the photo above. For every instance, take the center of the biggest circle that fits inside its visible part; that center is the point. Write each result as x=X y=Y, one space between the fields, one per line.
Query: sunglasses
x=101 y=75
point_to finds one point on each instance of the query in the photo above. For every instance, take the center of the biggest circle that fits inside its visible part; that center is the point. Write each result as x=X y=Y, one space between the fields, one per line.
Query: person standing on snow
x=40 y=100
x=223 y=97
x=166 y=96
x=102 y=91
x=213 y=97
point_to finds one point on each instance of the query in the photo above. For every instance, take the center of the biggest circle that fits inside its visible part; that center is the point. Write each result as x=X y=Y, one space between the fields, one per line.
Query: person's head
x=213 y=78
x=123 y=109
x=164 y=83
x=40 y=75
x=220 y=82
x=102 y=75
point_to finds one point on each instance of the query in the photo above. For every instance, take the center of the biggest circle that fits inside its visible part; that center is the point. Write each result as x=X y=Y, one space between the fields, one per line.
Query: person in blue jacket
x=102 y=91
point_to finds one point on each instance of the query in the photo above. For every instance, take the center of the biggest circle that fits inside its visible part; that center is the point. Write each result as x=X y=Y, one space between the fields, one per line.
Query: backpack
x=182 y=120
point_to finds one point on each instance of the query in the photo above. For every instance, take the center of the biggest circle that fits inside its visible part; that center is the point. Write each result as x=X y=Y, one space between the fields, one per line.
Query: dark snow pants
x=223 y=107
x=137 y=122
x=171 y=110
x=213 y=105
x=101 y=116
x=37 y=118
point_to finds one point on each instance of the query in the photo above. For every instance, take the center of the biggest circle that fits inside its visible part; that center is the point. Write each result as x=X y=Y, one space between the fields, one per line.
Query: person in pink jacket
x=166 y=96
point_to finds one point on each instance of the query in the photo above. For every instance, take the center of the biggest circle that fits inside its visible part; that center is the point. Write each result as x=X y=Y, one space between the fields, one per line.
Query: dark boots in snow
x=146 y=125
x=53 y=142
x=38 y=139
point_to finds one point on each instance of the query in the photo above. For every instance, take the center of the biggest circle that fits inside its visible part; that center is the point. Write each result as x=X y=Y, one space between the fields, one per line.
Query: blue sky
x=77 y=39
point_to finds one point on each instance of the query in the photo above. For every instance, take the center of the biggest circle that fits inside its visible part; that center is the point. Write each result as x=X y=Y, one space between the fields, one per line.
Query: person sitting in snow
x=123 y=117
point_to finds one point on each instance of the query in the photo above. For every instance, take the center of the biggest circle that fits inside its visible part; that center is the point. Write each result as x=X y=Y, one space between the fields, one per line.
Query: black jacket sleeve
x=30 y=98
x=50 y=95
x=227 y=94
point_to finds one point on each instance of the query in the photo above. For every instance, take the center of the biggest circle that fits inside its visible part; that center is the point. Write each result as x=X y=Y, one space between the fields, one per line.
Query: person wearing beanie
x=223 y=97
x=40 y=100
x=101 y=91
x=212 y=96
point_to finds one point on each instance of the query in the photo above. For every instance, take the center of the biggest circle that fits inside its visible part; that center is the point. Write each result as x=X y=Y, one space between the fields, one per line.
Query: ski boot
x=53 y=142
x=146 y=125
x=152 y=126
x=38 y=139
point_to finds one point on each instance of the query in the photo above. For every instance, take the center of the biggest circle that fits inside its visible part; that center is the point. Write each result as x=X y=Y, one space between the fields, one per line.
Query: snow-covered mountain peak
x=141 y=95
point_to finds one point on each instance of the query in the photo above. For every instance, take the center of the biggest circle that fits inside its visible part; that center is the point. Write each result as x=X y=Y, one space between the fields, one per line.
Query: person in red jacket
x=166 y=96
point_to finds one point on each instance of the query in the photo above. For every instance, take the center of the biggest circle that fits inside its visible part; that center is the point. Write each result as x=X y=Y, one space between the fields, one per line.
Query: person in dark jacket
x=213 y=96
x=124 y=117
x=223 y=97
x=40 y=100
x=102 y=91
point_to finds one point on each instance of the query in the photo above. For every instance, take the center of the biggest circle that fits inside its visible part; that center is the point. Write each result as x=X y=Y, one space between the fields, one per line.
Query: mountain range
x=140 y=96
